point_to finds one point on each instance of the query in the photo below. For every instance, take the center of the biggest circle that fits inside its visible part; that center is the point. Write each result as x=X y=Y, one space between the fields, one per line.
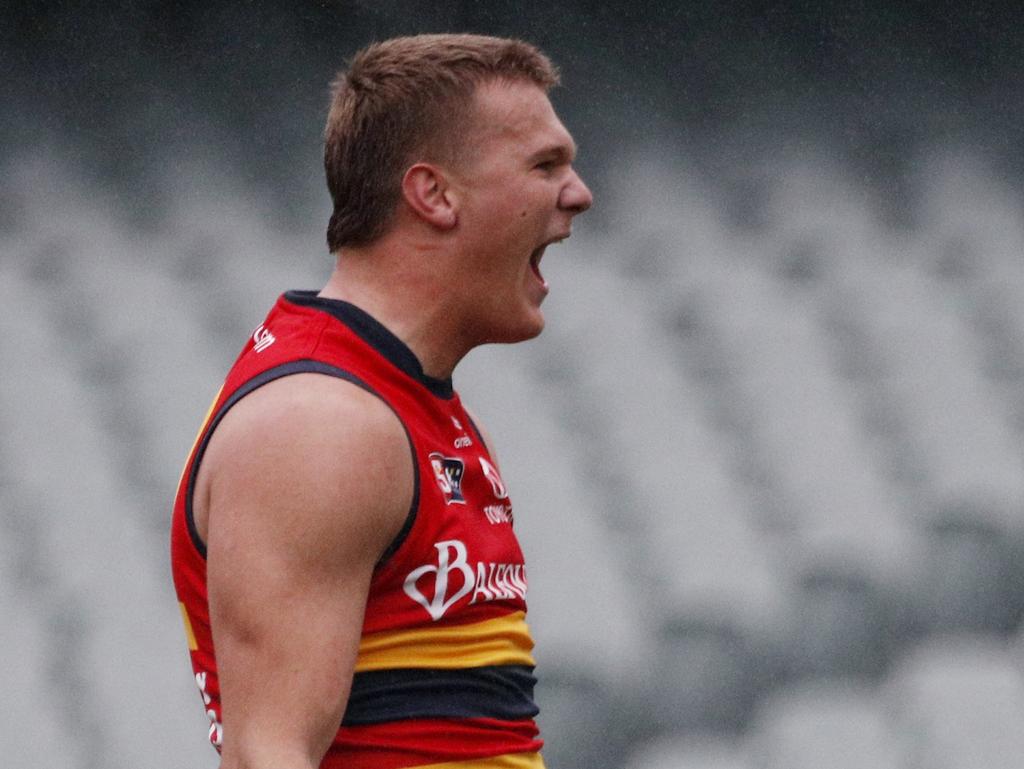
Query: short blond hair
x=405 y=96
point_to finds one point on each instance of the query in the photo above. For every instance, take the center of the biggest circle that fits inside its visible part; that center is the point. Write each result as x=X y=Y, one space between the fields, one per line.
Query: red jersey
x=444 y=675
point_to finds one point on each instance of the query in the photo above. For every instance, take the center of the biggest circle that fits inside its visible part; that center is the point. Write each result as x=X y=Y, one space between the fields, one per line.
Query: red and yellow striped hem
x=499 y=641
x=507 y=761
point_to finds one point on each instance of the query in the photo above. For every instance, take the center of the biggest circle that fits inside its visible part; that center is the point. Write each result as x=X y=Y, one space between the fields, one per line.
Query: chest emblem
x=448 y=473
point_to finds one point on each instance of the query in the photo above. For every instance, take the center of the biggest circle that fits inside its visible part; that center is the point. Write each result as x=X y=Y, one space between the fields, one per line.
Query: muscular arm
x=305 y=483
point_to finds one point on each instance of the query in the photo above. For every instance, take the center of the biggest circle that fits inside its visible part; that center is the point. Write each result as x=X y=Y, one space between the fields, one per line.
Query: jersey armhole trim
x=286 y=369
x=479 y=434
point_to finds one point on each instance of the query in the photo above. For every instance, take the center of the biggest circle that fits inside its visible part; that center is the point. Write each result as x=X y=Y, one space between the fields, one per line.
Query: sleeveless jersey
x=444 y=674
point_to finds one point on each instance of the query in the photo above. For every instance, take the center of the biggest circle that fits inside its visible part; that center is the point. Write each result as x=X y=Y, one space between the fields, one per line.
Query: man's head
x=516 y=194
x=407 y=99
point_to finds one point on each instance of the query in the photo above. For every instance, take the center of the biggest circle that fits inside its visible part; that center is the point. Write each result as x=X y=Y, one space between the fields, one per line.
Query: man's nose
x=576 y=196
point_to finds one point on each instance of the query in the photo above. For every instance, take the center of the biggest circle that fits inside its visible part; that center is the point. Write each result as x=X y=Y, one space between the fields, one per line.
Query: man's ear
x=426 y=191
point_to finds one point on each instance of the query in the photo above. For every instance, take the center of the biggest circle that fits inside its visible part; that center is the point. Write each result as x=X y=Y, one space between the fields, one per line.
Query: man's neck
x=408 y=301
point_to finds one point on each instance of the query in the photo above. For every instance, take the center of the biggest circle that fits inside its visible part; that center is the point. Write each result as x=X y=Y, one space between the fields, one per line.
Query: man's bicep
x=297 y=520
x=286 y=647
x=290 y=561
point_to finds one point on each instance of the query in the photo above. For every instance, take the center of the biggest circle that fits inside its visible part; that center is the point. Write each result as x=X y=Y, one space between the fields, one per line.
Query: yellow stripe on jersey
x=507 y=761
x=500 y=641
x=189 y=635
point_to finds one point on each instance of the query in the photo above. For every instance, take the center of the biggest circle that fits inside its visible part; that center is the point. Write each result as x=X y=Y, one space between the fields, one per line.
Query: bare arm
x=305 y=483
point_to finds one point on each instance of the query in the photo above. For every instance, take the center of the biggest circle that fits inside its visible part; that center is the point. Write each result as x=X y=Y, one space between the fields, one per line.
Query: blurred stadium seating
x=769 y=479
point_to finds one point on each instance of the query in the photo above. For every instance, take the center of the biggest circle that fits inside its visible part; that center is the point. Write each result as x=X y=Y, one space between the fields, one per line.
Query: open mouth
x=538 y=254
x=535 y=258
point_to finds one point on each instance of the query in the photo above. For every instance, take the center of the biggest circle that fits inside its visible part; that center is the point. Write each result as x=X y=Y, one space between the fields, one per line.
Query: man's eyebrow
x=563 y=152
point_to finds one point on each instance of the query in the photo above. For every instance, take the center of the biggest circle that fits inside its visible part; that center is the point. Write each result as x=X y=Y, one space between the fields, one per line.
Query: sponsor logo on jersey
x=448 y=474
x=492 y=475
x=455 y=578
x=262 y=338
x=463 y=441
x=498 y=513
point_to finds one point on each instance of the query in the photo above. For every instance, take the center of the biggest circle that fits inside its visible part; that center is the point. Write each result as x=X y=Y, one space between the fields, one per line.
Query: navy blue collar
x=374 y=333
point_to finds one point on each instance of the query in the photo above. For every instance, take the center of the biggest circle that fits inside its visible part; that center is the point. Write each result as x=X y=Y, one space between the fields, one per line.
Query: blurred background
x=768 y=458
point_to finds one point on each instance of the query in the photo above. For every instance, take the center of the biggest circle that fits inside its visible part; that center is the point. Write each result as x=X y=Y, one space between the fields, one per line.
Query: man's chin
x=529 y=327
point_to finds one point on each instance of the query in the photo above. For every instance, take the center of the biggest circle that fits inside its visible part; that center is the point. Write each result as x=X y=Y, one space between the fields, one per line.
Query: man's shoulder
x=313 y=444
x=311 y=413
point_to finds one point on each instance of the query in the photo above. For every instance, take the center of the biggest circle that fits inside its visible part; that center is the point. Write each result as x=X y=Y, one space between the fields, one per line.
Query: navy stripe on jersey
x=375 y=334
x=286 y=369
x=503 y=692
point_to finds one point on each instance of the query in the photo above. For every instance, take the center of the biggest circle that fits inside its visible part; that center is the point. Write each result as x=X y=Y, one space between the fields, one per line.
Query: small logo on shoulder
x=448 y=474
x=262 y=338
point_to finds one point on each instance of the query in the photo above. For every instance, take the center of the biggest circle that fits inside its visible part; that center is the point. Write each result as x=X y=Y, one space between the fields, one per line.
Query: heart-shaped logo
x=441 y=602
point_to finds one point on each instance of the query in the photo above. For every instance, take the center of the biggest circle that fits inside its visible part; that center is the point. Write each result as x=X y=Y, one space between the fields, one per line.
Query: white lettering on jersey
x=487 y=581
x=216 y=730
x=498 y=513
x=496 y=581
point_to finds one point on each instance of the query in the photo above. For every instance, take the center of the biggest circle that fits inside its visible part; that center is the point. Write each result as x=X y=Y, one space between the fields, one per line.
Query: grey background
x=766 y=459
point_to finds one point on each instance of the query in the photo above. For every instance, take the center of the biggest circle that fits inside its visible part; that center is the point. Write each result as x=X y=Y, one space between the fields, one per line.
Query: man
x=342 y=537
